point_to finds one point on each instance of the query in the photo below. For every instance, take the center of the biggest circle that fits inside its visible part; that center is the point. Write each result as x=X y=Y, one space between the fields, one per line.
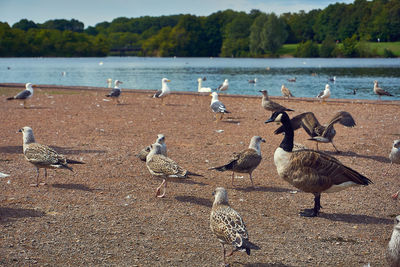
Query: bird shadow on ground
x=353 y=154
x=231 y=121
x=177 y=105
x=195 y=200
x=262 y=189
x=355 y=218
x=185 y=181
x=19 y=213
x=62 y=150
x=73 y=187
x=259 y=264
x=39 y=108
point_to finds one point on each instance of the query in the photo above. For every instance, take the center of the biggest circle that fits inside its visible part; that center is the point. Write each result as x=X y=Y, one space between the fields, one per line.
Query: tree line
x=225 y=33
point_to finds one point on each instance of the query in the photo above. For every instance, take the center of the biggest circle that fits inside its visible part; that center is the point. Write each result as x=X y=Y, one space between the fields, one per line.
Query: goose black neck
x=287 y=142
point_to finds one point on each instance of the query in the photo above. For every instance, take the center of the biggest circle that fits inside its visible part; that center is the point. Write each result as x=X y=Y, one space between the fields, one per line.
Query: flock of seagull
x=311 y=171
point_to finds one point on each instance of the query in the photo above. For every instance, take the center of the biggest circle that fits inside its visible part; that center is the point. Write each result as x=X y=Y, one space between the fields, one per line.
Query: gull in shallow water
x=379 y=91
x=164 y=91
x=224 y=86
x=24 y=95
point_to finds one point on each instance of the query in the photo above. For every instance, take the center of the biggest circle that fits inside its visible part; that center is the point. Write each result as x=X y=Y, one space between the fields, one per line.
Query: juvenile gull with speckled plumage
x=42 y=156
x=227 y=225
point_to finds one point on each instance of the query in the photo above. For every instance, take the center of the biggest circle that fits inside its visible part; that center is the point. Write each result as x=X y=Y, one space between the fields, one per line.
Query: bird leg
x=164 y=184
x=337 y=150
x=118 y=102
x=251 y=179
x=317 y=146
x=25 y=104
x=233 y=176
x=162 y=101
x=314 y=211
x=395 y=195
x=45 y=177
x=224 y=251
x=37 y=178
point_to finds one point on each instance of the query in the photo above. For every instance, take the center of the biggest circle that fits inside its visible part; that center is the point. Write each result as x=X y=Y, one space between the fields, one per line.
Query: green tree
x=255 y=38
x=274 y=34
x=307 y=49
x=327 y=47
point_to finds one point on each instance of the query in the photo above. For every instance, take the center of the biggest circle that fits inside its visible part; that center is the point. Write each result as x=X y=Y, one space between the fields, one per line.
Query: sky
x=91 y=12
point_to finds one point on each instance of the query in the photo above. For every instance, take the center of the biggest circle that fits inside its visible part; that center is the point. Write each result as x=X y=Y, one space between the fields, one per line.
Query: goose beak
x=269 y=120
x=19 y=131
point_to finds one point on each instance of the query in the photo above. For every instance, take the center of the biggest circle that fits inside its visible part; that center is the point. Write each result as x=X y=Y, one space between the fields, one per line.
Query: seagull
x=292 y=80
x=24 y=95
x=116 y=91
x=325 y=94
x=253 y=81
x=224 y=86
x=164 y=91
x=393 y=252
x=160 y=165
x=270 y=105
x=332 y=79
x=145 y=151
x=379 y=91
x=394 y=157
x=42 y=156
x=217 y=107
x=202 y=89
x=245 y=161
x=285 y=91
x=227 y=225
x=109 y=82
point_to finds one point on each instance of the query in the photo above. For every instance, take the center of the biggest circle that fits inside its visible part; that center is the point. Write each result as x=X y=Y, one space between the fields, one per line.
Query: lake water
x=146 y=73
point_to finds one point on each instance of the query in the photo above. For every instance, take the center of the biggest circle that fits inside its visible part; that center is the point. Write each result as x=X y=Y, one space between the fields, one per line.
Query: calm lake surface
x=146 y=73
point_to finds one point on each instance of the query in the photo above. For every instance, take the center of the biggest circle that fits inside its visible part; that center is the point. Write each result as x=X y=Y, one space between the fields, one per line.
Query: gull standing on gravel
x=227 y=225
x=116 y=91
x=394 y=157
x=379 y=91
x=325 y=94
x=164 y=91
x=145 y=151
x=42 y=156
x=24 y=95
x=224 y=86
x=270 y=105
x=285 y=91
x=217 y=107
x=160 y=165
x=245 y=161
x=393 y=250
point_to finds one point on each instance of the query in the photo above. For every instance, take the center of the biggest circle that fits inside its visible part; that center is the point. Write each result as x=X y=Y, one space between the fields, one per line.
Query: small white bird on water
x=24 y=95
x=164 y=91
x=325 y=94
x=224 y=86
x=202 y=89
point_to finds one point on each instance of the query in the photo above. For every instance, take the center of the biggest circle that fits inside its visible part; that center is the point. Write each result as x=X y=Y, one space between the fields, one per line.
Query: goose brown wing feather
x=314 y=171
x=342 y=117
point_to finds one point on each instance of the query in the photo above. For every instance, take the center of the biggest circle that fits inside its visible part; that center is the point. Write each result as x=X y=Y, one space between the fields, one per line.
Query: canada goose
x=145 y=151
x=202 y=89
x=116 y=91
x=217 y=107
x=24 y=95
x=227 y=225
x=317 y=132
x=246 y=161
x=309 y=170
x=160 y=165
x=325 y=94
x=270 y=105
x=285 y=91
x=379 y=91
x=164 y=91
x=224 y=86
x=42 y=156
x=292 y=80
x=393 y=250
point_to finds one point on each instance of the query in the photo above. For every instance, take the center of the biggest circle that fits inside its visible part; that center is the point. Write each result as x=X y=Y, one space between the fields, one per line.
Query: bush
x=387 y=53
x=327 y=48
x=307 y=49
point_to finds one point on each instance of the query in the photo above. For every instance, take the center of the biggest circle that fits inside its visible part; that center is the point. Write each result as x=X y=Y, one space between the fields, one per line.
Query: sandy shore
x=105 y=212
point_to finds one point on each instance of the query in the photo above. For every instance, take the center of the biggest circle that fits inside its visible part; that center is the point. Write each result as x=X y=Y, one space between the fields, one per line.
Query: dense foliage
x=225 y=33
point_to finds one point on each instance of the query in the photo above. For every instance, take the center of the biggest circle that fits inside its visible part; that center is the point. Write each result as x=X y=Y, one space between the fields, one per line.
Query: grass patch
x=287 y=49
x=380 y=47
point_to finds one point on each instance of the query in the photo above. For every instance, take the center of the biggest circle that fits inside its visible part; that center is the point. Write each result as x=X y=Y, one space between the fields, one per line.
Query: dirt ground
x=105 y=213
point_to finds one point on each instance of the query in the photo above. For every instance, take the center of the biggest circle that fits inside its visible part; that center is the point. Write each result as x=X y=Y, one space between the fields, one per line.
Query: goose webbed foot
x=309 y=213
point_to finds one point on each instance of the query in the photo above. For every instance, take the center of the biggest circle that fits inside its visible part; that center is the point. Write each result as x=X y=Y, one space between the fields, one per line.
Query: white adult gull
x=24 y=95
x=116 y=91
x=217 y=107
x=164 y=91
x=224 y=86
x=202 y=89
x=325 y=94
